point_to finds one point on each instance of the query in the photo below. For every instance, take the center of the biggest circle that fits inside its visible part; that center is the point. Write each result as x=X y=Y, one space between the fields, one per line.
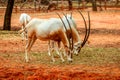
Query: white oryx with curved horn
x=51 y=29
x=76 y=44
x=67 y=29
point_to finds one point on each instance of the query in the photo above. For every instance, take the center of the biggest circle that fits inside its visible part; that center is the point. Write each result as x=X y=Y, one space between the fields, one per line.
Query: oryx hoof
x=27 y=61
x=70 y=60
x=76 y=54
x=53 y=61
x=63 y=61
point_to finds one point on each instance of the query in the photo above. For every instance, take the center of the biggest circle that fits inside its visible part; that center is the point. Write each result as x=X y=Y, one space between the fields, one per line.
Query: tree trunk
x=57 y=3
x=62 y=3
x=117 y=2
x=94 y=6
x=70 y=4
x=79 y=1
x=83 y=4
x=105 y=4
x=8 y=14
x=24 y=2
x=34 y=5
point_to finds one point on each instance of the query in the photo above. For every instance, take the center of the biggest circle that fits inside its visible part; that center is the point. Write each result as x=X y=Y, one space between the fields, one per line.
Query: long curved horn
x=65 y=29
x=84 y=41
x=71 y=45
x=88 y=33
x=70 y=30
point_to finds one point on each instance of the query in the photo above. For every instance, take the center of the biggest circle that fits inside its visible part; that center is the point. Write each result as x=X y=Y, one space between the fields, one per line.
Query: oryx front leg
x=28 y=47
x=51 y=49
x=60 y=54
x=58 y=51
x=69 y=55
x=27 y=50
x=66 y=46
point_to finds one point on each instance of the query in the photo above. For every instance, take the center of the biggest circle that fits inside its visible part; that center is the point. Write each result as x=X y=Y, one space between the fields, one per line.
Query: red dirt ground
x=105 y=32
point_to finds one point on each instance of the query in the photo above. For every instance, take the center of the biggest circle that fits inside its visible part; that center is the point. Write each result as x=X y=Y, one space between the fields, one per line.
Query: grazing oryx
x=24 y=19
x=77 y=44
x=51 y=29
x=76 y=38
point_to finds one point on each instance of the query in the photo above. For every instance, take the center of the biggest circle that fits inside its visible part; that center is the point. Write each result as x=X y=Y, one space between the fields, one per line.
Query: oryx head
x=77 y=46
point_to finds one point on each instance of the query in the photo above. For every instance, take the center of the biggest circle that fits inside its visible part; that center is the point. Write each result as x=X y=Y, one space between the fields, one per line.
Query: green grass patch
x=87 y=56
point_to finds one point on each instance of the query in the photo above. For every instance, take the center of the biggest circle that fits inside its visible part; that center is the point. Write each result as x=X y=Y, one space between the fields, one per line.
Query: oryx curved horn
x=83 y=43
x=88 y=27
x=70 y=30
x=65 y=29
x=71 y=45
x=86 y=32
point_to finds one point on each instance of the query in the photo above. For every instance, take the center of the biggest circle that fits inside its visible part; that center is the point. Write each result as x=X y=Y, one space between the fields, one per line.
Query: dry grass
x=87 y=56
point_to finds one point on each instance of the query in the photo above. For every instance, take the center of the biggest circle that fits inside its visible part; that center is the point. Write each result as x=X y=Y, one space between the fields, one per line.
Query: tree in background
x=116 y=2
x=8 y=14
x=94 y=6
x=70 y=4
x=85 y=2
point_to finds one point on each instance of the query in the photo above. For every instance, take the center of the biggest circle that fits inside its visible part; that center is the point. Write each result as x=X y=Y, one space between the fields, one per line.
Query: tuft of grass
x=98 y=56
x=9 y=34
